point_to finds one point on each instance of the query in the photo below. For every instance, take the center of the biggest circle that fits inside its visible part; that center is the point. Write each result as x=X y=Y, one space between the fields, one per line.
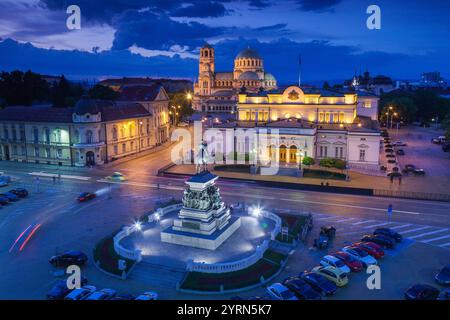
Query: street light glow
x=137 y=226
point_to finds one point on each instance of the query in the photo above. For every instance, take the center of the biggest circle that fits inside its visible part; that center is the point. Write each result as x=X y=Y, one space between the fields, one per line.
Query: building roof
x=140 y=93
x=269 y=76
x=248 y=54
x=248 y=75
x=224 y=75
x=45 y=113
x=86 y=105
x=110 y=111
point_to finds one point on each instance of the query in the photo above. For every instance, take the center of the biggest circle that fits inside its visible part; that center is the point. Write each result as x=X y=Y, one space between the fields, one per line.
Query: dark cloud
x=317 y=5
x=158 y=31
x=279 y=26
x=260 y=4
x=320 y=61
x=201 y=10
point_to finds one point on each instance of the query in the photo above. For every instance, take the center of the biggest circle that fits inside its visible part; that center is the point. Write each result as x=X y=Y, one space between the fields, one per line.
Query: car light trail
x=25 y=236
x=29 y=236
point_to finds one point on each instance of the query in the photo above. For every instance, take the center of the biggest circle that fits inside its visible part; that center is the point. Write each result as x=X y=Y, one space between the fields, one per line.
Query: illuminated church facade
x=218 y=91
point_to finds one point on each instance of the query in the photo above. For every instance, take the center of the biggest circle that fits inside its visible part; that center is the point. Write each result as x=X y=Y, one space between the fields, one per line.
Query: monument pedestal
x=204 y=221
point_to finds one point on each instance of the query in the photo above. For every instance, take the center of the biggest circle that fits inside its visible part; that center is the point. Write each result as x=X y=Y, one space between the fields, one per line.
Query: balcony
x=92 y=144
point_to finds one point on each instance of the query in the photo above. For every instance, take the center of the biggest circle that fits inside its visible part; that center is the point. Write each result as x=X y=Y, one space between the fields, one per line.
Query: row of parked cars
x=335 y=268
x=12 y=196
x=427 y=292
x=60 y=290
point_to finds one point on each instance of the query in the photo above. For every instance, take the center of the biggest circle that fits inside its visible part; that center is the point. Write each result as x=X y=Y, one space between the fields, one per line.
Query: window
x=36 y=135
x=89 y=137
x=14 y=133
x=5 y=133
x=36 y=152
x=321 y=117
x=46 y=135
x=14 y=151
x=327 y=117
x=132 y=145
x=323 y=151
x=335 y=117
x=124 y=148
x=58 y=135
x=47 y=152
x=116 y=150
x=59 y=153
x=341 y=117
x=23 y=151
x=362 y=155
x=76 y=136
x=367 y=104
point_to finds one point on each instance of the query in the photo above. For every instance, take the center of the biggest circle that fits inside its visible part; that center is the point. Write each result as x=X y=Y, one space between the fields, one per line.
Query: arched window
x=89 y=136
x=35 y=135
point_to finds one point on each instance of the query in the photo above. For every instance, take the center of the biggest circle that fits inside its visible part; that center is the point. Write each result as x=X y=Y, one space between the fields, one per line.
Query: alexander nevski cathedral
x=217 y=91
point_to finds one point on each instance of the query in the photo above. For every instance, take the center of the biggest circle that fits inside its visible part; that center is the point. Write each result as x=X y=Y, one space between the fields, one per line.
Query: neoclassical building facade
x=218 y=91
x=93 y=132
x=297 y=122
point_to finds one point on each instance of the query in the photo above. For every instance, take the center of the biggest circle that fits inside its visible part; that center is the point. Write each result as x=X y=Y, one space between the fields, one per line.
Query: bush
x=333 y=163
x=308 y=161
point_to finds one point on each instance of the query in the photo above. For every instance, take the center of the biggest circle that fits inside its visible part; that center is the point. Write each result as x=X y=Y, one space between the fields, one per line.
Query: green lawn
x=265 y=267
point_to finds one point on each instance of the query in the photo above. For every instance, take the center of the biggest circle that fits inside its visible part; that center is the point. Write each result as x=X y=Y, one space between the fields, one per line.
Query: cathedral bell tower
x=206 y=69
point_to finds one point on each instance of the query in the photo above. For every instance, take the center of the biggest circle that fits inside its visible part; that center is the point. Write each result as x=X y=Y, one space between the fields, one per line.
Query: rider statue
x=201 y=161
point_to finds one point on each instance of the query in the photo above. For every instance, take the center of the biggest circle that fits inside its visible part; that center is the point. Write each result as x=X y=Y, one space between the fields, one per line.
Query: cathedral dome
x=86 y=105
x=248 y=54
x=249 y=75
x=269 y=76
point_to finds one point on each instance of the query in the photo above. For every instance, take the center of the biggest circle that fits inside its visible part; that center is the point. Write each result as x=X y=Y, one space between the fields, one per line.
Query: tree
x=308 y=161
x=180 y=99
x=19 y=88
x=405 y=108
x=65 y=93
x=326 y=85
x=103 y=93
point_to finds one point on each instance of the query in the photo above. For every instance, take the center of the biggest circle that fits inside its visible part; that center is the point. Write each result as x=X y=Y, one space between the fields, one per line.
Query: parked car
x=446 y=147
x=400 y=152
x=301 y=289
x=58 y=291
x=439 y=140
x=383 y=241
x=68 y=258
x=4 y=201
x=3 y=183
x=421 y=292
x=409 y=168
x=371 y=244
x=360 y=255
x=85 y=196
x=333 y=274
x=352 y=263
x=331 y=261
x=11 y=196
x=444 y=295
x=7 y=179
x=147 y=296
x=443 y=276
x=123 y=297
x=280 y=292
x=399 y=144
x=104 y=294
x=319 y=283
x=376 y=253
x=419 y=172
x=81 y=293
x=20 y=192
x=390 y=233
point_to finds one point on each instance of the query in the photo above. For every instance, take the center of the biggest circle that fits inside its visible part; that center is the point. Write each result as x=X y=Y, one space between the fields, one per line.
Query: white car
x=147 y=296
x=79 y=294
x=104 y=294
x=279 y=292
x=3 y=183
x=330 y=261
x=361 y=255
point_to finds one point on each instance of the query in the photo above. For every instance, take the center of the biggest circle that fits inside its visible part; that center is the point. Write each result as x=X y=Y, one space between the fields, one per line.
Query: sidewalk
x=411 y=184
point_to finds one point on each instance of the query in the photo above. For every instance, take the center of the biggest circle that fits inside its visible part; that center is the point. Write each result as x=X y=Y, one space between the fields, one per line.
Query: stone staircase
x=158 y=275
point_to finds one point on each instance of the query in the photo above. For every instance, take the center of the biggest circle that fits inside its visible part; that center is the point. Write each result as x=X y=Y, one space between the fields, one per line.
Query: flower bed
x=323 y=174
x=212 y=282
x=108 y=259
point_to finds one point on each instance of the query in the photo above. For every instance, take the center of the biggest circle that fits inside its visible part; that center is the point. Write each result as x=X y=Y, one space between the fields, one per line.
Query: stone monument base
x=210 y=242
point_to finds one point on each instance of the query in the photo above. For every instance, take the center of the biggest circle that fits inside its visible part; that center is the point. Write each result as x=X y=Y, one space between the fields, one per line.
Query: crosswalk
x=356 y=227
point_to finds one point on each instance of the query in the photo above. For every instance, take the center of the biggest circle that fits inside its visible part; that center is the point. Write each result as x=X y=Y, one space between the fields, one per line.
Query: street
x=67 y=224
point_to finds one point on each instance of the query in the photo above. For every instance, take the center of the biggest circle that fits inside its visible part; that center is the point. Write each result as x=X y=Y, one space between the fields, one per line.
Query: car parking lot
x=421 y=152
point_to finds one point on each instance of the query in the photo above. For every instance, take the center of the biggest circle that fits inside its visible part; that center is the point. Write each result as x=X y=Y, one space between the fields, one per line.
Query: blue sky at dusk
x=162 y=37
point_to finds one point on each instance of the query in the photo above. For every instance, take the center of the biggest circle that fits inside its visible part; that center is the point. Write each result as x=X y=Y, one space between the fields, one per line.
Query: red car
x=371 y=244
x=376 y=253
x=85 y=196
x=349 y=261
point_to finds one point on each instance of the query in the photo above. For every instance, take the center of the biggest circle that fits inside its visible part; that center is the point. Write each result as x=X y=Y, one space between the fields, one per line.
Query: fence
x=160 y=212
x=277 y=229
x=126 y=253
x=229 y=266
x=412 y=195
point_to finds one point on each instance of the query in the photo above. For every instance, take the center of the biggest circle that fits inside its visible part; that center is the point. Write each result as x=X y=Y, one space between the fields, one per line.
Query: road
x=67 y=224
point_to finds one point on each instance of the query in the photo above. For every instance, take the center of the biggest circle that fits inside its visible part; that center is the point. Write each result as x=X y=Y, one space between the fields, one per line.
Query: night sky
x=162 y=37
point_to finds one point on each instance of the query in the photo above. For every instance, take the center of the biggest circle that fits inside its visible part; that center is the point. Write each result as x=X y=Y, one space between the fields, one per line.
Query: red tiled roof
x=140 y=93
